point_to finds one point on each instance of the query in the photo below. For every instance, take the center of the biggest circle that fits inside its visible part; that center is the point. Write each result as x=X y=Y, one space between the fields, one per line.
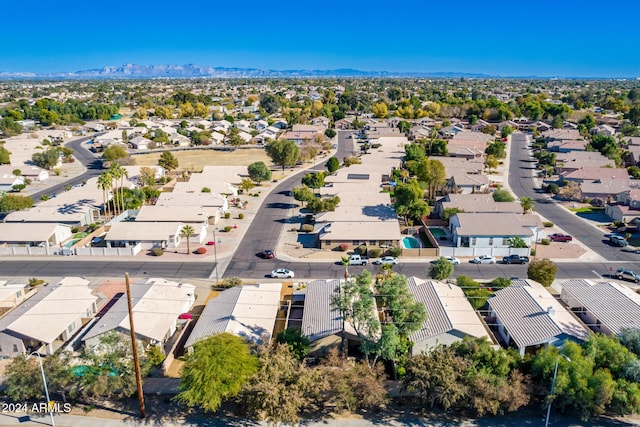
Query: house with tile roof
x=247 y=311
x=528 y=317
x=605 y=307
x=450 y=317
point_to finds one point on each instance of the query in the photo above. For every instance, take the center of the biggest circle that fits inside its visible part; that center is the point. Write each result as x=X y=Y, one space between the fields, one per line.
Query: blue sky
x=510 y=38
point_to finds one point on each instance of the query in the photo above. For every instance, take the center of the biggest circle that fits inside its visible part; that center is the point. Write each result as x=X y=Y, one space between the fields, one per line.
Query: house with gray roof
x=247 y=311
x=528 y=317
x=605 y=307
x=477 y=202
x=48 y=319
x=450 y=317
x=156 y=303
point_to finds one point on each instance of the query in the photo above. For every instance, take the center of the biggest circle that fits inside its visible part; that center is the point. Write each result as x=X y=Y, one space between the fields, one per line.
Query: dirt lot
x=195 y=160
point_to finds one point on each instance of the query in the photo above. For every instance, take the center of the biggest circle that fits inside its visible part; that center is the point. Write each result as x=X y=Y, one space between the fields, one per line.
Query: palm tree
x=186 y=232
x=346 y=262
x=527 y=204
x=117 y=172
x=105 y=183
x=124 y=174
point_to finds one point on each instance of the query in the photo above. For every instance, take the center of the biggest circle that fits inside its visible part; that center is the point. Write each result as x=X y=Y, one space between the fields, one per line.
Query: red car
x=266 y=254
x=559 y=237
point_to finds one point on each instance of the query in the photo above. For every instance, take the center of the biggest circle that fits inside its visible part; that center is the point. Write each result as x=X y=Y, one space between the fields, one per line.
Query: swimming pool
x=437 y=232
x=71 y=242
x=410 y=243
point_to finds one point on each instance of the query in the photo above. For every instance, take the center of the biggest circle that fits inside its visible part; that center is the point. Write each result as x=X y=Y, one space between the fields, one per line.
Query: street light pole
x=215 y=252
x=553 y=386
x=46 y=390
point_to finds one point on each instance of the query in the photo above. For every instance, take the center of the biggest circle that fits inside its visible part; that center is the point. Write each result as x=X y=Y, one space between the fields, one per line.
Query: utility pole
x=134 y=346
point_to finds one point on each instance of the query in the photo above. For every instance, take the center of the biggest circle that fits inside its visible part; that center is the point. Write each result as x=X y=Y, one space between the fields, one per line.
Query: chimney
x=551 y=311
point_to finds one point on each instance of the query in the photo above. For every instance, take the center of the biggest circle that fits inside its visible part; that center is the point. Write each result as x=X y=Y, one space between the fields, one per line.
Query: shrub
x=227 y=228
x=33 y=282
x=362 y=249
x=240 y=216
x=206 y=190
x=201 y=251
x=545 y=241
x=375 y=253
x=306 y=228
x=157 y=251
x=547 y=224
x=395 y=252
x=343 y=247
x=533 y=252
x=74 y=230
x=230 y=282
x=227 y=215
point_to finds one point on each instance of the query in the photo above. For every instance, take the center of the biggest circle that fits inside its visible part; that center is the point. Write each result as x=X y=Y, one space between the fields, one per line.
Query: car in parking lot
x=282 y=273
x=559 y=237
x=266 y=254
x=623 y=273
x=451 y=259
x=483 y=259
x=386 y=260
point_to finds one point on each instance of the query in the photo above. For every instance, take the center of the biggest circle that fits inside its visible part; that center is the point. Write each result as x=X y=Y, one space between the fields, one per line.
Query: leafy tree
x=517 y=242
x=542 y=271
x=527 y=204
x=314 y=180
x=441 y=269
x=283 y=152
x=297 y=342
x=217 y=370
x=9 y=127
x=259 y=172
x=246 y=184
x=501 y=195
x=323 y=205
x=114 y=152
x=330 y=133
x=269 y=102
x=168 y=161
x=276 y=393
x=4 y=156
x=447 y=213
x=303 y=194
x=380 y=110
x=491 y=162
x=24 y=380
x=404 y=126
x=497 y=149
x=14 y=202
x=333 y=164
x=414 y=152
x=630 y=337
x=187 y=231
x=438 y=147
x=147 y=176
x=233 y=137
x=46 y=159
x=409 y=201
x=433 y=173
x=506 y=131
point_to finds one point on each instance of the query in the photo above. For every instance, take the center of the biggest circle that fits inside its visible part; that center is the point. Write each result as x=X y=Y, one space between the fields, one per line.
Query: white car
x=282 y=273
x=386 y=260
x=451 y=259
x=483 y=259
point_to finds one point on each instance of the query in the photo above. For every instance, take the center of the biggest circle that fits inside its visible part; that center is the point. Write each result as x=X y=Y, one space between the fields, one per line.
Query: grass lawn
x=587 y=210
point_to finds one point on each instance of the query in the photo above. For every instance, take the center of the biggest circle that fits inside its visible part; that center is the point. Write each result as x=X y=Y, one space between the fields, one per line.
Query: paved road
x=266 y=227
x=521 y=170
x=68 y=266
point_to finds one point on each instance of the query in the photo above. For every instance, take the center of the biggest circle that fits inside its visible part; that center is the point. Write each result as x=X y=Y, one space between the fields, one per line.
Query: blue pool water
x=410 y=242
x=71 y=243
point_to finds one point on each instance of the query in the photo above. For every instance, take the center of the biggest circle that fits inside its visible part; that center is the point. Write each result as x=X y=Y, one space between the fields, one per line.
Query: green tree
x=147 y=176
x=233 y=137
x=414 y=152
x=246 y=184
x=186 y=232
x=630 y=337
x=409 y=201
x=46 y=159
x=217 y=370
x=168 y=161
x=517 y=242
x=333 y=164
x=441 y=269
x=259 y=172
x=491 y=162
x=542 y=271
x=14 y=202
x=433 y=173
x=270 y=103
x=330 y=133
x=506 y=131
x=314 y=180
x=497 y=150
x=114 y=152
x=447 y=213
x=527 y=204
x=303 y=194
x=5 y=158
x=501 y=195
x=283 y=152
x=297 y=342
x=105 y=183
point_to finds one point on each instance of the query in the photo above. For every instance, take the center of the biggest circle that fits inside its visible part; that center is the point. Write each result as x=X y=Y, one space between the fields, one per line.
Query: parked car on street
x=386 y=260
x=282 y=273
x=623 y=273
x=356 y=259
x=266 y=254
x=483 y=259
x=515 y=259
x=618 y=241
x=451 y=259
x=559 y=237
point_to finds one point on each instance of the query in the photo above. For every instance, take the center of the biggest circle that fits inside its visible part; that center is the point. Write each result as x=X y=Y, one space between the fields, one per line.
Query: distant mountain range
x=135 y=71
